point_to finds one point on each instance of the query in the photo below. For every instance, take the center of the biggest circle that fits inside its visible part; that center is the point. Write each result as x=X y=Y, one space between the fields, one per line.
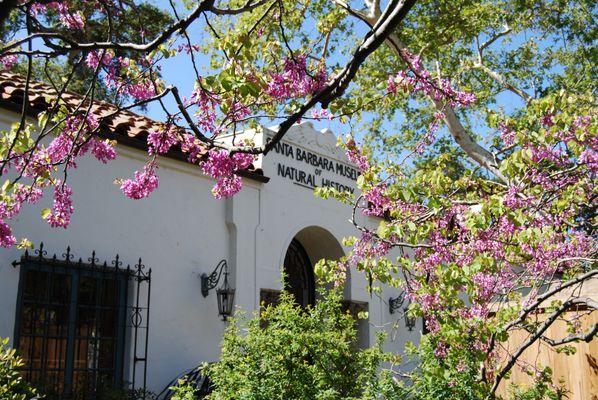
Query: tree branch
x=533 y=338
x=180 y=25
x=392 y=16
x=541 y=298
x=463 y=138
x=494 y=38
x=574 y=337
x=503 y=81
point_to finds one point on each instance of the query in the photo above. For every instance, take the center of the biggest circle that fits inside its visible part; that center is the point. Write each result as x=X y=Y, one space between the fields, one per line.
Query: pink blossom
x=514 y=198
x=141 y=86
x=547 y=120
x=93 y=58
x=6 y=238
x=441 y=350
x=188 y=49
x=399 y=81
x=192 y=146
x=60 y=148
x=8 y=61
x=581 y=126
x=34 y=164
x=428 y=138
x=221 y=163
x=418 y=79
x=160 y=141
x=69 y=19
x=589 y=157
x=429 y=301
x=294 y=81
x=143 y=89
x=242 y=160
x=487 y=285
x=37 y=8
x=73 y=141
x=222 y=166
x=206 y=103
x=227 y=186
x=507 y=135
x=432 y=324
x=103 y=150
x=378 y=202
x=356 y=156
x=546 y=153
x=11 y=205
x=238 y=111
x=29 y=194
x=62 y=207
x=321 y=113
x=143 y=184
x=367 y=247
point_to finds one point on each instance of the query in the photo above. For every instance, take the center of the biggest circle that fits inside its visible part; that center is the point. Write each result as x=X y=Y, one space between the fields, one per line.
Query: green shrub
x=12 y=384
x=542 y=389
x=456 y=376
x=290 y=353
x=184 y=390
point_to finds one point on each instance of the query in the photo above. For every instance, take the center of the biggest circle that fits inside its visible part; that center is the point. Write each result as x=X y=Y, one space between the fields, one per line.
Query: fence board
x=577 y=372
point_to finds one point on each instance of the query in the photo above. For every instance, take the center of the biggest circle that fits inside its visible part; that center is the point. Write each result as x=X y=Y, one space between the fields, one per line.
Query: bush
x=290 y=353
x=12 y=384
x=184 y=390
x=456 y=374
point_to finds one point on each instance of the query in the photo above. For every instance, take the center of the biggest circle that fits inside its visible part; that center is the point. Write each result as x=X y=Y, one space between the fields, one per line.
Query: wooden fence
x=577 y=372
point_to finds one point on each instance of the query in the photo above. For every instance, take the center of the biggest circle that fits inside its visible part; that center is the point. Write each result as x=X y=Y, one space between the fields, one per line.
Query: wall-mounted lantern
x=225 y=294
x=395 y=303
x=409 y=320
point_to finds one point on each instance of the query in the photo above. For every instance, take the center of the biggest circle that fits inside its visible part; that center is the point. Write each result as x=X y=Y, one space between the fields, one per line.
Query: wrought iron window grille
x=87 y=324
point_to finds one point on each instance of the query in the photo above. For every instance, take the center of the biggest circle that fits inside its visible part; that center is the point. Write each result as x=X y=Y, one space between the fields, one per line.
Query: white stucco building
x=75 y=320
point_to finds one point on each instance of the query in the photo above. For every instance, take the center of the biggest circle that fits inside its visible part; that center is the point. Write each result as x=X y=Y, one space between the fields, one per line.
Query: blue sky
x=178 y=71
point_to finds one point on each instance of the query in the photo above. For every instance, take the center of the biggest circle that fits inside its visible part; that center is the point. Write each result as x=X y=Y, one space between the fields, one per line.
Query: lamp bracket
x=395 y=303
x=209 y=282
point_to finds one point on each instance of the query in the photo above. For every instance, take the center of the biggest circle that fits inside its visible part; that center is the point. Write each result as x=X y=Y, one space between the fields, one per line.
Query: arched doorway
x=308 y=246
x=299 y=274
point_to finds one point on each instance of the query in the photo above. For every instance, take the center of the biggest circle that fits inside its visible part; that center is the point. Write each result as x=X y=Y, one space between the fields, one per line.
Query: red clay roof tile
x=125 y=126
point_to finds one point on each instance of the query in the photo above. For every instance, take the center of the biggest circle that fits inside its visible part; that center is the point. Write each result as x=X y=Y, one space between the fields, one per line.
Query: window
x=299 y=280
x=362 y=325
x=269 y=297
x=70 y=326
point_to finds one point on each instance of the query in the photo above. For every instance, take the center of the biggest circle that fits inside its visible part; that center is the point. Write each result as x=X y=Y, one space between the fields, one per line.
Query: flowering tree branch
x=537 y=335
x=498 y=204
x=586 y=336
x=457 y=130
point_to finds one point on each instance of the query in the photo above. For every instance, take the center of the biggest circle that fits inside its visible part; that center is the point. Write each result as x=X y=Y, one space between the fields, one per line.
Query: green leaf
x=46 y=212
